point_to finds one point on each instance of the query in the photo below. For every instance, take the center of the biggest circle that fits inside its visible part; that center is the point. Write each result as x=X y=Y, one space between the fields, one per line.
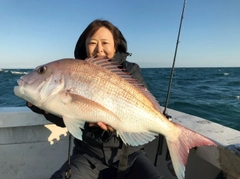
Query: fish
x=97 y=90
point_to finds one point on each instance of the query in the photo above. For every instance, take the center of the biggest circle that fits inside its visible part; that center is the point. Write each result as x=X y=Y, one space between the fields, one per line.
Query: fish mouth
x=20 y=82
x=18 y=89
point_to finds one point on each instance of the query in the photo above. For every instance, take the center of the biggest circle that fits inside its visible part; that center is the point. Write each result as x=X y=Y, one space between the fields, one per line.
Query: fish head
x=40 y=84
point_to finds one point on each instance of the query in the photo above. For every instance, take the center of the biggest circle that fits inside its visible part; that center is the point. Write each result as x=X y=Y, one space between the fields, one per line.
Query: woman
x=97 y=156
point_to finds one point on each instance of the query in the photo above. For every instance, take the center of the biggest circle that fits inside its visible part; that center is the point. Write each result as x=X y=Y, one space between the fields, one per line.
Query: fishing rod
x=160 y=140
x=174 y=60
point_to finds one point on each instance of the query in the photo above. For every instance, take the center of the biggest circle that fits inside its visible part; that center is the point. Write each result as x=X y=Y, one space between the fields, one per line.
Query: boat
x=33 y=148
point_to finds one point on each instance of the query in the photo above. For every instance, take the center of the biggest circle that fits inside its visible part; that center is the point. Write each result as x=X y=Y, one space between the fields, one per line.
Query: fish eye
x=41 y=69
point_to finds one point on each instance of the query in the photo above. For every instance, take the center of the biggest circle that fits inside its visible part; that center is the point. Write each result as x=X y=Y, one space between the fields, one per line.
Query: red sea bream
x=96 y=90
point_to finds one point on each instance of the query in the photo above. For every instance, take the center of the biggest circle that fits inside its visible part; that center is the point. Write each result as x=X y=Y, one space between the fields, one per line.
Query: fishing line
x=68 y=172
x=160 y=140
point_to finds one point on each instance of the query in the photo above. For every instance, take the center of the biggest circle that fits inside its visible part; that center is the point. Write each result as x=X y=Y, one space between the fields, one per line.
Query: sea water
x=210 y=93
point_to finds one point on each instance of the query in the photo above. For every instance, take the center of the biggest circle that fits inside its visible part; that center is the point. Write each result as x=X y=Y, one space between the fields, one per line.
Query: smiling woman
x=100 y=37
x=101 y=44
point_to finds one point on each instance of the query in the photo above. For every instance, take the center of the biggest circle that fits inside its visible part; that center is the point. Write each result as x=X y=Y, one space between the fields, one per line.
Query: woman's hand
x=102 y=125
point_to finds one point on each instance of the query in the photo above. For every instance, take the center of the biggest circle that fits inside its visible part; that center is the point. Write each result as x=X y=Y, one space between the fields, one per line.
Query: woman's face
x=101 y=44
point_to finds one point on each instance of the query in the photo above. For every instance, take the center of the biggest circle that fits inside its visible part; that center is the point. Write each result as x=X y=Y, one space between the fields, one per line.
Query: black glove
x=35 y=109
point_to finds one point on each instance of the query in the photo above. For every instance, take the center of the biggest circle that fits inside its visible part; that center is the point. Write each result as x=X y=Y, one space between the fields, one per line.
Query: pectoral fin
x=136 y=139
x=81 y=110
x=74 y=126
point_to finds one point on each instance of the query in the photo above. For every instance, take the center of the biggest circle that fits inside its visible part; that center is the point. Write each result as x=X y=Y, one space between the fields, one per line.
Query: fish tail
x=180 y=145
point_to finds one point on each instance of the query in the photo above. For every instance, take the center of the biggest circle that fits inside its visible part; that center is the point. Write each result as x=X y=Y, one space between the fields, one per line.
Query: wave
x=3 y=71
x=14 y=72
x=19 y=72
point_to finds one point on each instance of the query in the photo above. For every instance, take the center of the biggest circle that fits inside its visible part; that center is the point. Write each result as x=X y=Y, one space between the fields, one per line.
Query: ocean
x=210 y=93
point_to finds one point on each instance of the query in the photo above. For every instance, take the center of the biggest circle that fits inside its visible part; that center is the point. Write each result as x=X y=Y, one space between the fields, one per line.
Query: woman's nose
x=99 y=48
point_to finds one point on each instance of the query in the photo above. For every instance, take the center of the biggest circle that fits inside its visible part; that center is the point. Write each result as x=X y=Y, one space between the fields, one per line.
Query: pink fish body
x=95 y=90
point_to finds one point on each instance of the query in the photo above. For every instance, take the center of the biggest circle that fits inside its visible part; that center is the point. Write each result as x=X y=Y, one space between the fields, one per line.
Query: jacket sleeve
x=50 y=117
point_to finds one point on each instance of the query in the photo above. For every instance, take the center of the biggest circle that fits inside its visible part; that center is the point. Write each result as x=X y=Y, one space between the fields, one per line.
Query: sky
x=35 y=32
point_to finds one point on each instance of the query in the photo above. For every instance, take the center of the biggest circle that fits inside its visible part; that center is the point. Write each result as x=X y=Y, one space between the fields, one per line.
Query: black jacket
x=97 y=143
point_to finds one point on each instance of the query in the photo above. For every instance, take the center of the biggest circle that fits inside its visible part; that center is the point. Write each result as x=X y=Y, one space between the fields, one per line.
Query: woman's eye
x=41 y=69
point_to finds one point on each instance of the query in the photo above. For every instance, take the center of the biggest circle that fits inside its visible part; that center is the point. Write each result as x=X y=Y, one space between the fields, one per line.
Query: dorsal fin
x=120 y=71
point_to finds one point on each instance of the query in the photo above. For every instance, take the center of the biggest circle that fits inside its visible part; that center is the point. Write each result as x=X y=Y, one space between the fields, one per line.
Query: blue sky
x=36 y=32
